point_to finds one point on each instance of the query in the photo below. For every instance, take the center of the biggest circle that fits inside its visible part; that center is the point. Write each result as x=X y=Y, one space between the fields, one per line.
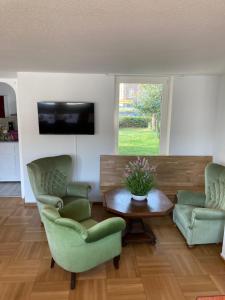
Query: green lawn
x=138 y=141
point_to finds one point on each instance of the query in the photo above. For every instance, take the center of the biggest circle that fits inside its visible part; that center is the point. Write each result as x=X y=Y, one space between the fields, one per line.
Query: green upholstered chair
x=49 y=178
x=78 y=243
x=201 y=216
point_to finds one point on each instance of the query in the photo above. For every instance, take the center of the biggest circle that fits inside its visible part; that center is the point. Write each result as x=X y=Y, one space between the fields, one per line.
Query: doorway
x=10 y=185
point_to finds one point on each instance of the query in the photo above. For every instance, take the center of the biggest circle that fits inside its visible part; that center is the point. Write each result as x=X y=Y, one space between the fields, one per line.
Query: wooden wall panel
x=172 y=172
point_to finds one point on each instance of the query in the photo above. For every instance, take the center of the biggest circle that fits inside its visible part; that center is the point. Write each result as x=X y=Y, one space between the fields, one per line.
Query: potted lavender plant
x=139 y=178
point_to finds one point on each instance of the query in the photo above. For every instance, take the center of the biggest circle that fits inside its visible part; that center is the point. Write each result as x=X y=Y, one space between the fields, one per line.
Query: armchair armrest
x=78 y=189
x=105 y=228
x=208 y=214
x=50 y=200
x=191 y=198
x=77 y=210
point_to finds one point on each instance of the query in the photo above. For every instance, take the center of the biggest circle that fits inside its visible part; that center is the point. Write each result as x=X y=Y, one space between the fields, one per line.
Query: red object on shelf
x=2 y=107
x=13 y=135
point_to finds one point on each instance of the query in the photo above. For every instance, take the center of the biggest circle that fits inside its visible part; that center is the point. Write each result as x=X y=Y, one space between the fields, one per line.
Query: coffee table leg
x=150 y=233
x=127 y=231
x=137 y=231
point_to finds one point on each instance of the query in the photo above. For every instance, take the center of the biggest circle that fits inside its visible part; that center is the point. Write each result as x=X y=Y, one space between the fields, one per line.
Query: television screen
x=66 y=117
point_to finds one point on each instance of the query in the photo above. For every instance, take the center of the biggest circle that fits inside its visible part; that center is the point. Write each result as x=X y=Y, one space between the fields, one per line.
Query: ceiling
x=113 y=36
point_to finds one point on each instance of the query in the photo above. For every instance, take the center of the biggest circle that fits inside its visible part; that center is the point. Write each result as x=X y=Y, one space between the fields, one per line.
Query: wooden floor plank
x=194 y=286
x=184 y=263
x=157 y=265
x=125 y=289
x=16 y=290
x=89 y=290
x=213 y=265
x=162 y=287
x=219 y=281
x=50 y=291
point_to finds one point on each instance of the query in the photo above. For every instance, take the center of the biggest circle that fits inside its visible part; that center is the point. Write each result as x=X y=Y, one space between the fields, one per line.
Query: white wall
x=193 y=115
x=34 y=87
x=219 y=145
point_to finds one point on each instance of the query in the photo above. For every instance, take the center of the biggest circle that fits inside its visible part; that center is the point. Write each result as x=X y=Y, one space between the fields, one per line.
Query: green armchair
x=201 y=216
x=49 y=181
x=78 y=243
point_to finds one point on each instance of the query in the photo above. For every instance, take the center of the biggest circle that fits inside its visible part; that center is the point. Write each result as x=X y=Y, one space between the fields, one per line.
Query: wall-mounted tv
x=66 y=117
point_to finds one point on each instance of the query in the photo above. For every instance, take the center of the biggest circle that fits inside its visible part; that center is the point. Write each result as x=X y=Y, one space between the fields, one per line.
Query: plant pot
x=139 y=198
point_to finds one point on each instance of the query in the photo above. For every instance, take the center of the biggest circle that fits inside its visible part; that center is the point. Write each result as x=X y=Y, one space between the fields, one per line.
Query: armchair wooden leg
x=73 y=281
x=52 y=263
x=116 y=261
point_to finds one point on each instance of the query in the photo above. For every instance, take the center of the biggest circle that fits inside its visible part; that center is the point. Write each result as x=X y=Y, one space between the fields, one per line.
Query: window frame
x=166 y=105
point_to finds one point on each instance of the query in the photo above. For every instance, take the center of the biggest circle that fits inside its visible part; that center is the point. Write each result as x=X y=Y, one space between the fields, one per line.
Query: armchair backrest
x=215 y=186
x=63 y=234
x=49 y=175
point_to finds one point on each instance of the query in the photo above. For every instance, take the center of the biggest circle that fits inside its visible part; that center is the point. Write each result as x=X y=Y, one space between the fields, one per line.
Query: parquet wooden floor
x=167 y=271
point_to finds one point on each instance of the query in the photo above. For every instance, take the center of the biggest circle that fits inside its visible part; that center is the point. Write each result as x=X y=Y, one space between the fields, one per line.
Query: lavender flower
x=139 y=176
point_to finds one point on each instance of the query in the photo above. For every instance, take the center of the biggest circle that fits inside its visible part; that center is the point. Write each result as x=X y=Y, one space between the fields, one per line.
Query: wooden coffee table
x=120 y=203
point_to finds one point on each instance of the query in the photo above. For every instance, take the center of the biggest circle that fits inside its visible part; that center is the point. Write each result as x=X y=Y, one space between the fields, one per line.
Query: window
x=142 y=115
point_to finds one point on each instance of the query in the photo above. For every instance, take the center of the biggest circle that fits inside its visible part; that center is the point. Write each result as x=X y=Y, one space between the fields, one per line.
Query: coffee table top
x=119 y=202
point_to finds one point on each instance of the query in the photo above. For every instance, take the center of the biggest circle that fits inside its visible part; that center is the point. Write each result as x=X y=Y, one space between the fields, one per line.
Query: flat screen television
x=66 y=117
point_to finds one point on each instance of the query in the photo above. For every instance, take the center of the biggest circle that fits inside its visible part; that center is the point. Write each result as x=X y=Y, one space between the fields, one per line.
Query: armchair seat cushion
x=88 y=223
x=69 y=199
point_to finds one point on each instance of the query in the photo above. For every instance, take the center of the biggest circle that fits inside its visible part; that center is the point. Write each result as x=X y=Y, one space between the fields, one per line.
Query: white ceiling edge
x=14 y=75
x=156 y=74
